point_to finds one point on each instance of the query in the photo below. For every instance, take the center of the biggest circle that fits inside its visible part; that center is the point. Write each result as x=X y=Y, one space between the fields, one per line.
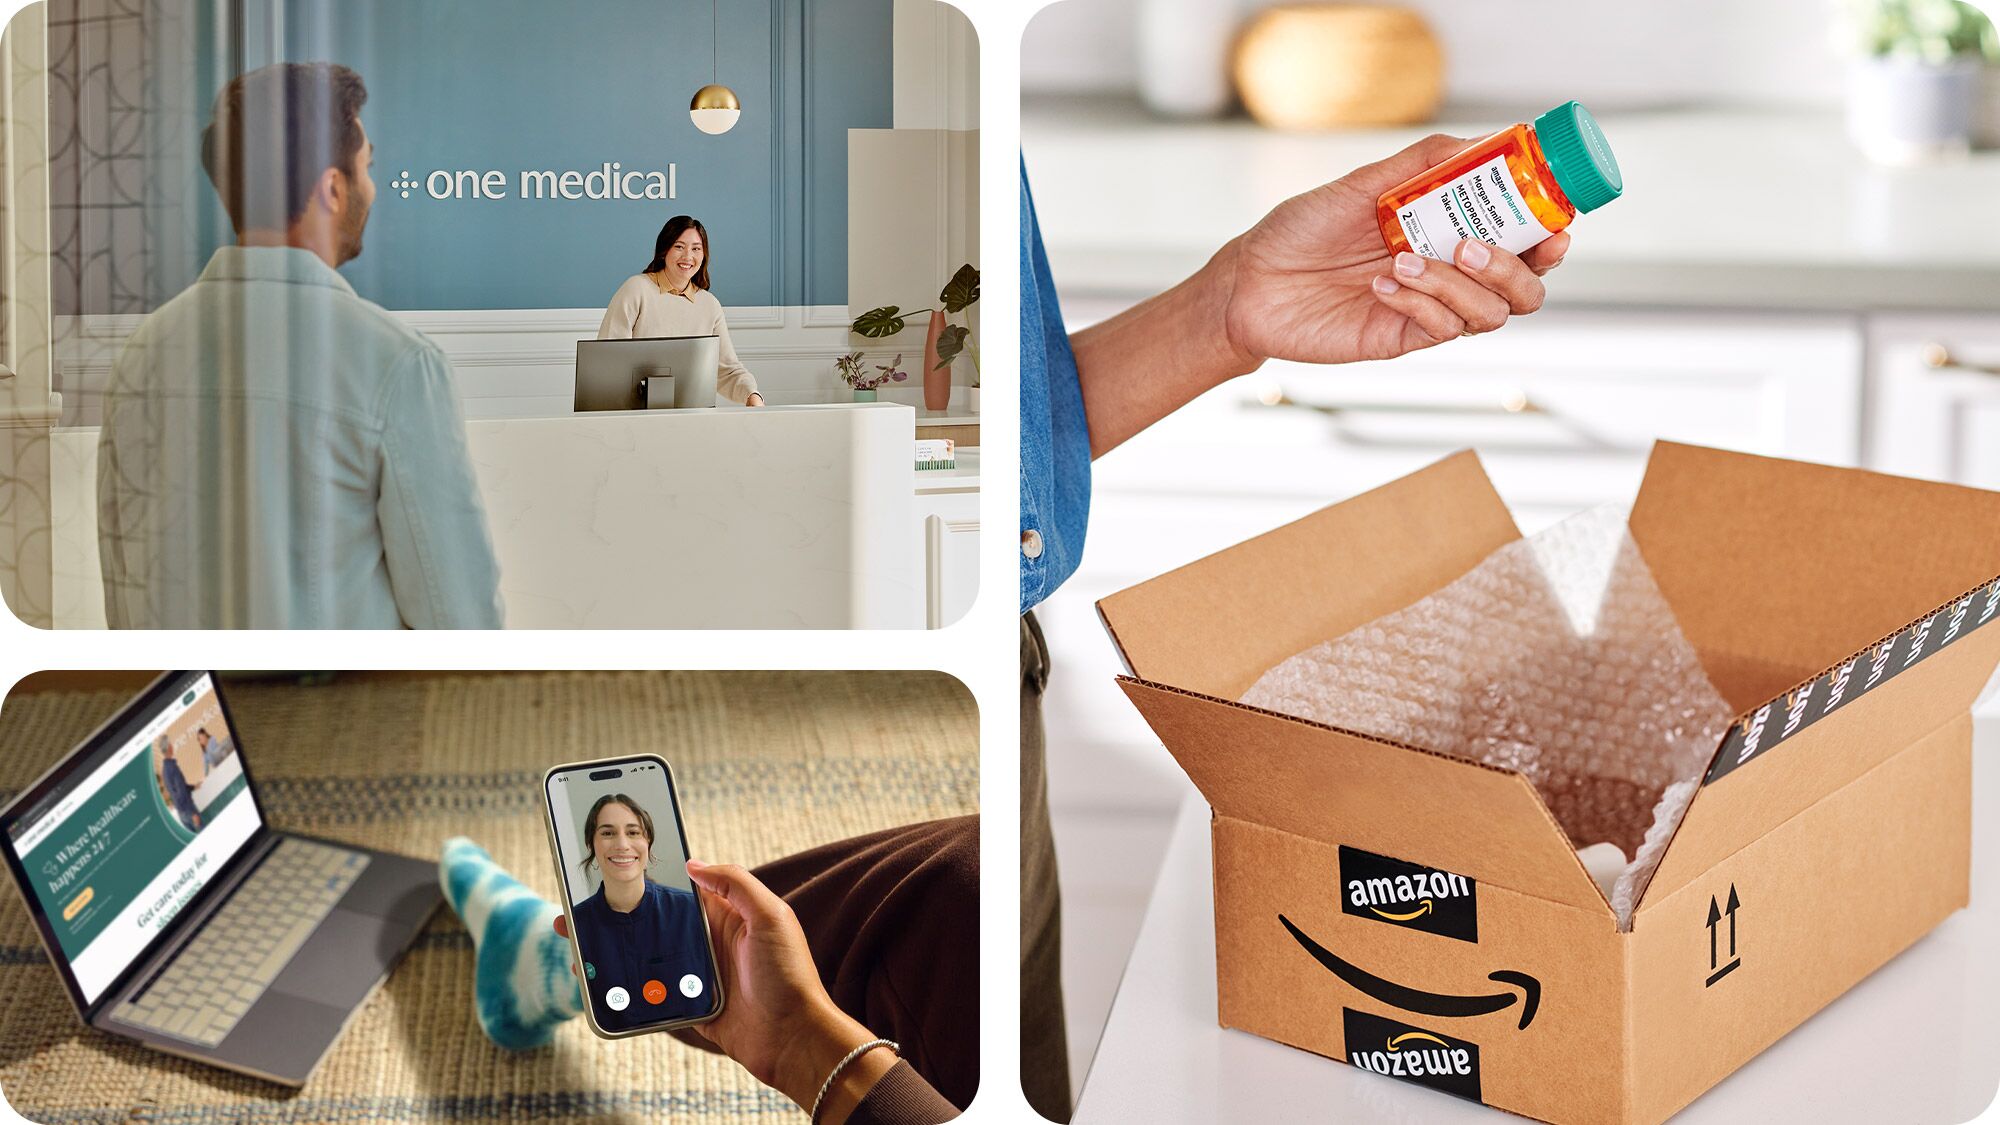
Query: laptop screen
x=138 y=820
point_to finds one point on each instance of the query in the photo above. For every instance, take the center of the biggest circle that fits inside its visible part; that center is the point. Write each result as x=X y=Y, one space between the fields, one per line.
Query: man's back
x=279 y=453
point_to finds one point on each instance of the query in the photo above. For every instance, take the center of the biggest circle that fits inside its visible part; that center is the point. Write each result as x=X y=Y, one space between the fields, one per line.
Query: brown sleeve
x=902 y=1098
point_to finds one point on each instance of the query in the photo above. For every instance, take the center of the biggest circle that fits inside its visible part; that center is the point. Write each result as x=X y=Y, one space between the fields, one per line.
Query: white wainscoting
x=519 y=363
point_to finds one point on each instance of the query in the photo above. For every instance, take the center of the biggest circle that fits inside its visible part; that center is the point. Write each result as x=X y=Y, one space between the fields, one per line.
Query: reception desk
x=779 y=517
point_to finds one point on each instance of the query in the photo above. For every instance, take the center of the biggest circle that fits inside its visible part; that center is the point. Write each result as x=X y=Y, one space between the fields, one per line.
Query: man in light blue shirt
x=278 y=452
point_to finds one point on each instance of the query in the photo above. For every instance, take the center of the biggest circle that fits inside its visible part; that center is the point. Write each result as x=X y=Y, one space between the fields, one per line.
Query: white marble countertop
x=1759 y=207
x=958 y=412
x=1164 y=1059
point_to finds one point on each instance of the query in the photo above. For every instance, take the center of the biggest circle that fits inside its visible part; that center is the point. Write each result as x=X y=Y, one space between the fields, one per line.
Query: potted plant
x=1915 y=80
x=945 y=341
x=855 y=374
x=1986 y=118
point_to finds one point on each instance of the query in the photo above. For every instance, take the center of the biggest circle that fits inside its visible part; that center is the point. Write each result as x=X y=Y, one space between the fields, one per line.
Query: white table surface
x=1917 y=1042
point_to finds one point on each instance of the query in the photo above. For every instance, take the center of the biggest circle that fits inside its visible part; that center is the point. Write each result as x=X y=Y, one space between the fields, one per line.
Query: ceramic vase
x=1902 y=112
x=937 y=378
x=865 y=396
x=1184 y=55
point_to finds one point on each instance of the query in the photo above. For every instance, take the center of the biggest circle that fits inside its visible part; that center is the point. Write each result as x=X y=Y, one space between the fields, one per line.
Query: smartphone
x=636 y=924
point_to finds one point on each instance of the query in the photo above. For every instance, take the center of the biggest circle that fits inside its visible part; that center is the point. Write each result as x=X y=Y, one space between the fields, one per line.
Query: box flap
x=1216 y=624
x=1341 y=788
x=1788 y=754
x=1778 y=569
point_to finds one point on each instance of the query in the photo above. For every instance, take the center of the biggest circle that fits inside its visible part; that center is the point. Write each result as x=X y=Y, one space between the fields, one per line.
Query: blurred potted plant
x=944 y=342
x=855 y=374
x=1915 y=80
x=1986 y=120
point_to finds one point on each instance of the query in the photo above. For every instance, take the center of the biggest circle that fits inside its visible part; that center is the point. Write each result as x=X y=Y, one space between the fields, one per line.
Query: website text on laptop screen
x=116 y=851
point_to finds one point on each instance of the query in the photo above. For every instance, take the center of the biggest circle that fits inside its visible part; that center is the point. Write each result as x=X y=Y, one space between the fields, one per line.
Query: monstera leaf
x=961 y=290
x=877 y=323
x=951 y=341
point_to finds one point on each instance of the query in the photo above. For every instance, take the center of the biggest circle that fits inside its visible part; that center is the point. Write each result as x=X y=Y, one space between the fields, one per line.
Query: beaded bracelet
x=842 y=1065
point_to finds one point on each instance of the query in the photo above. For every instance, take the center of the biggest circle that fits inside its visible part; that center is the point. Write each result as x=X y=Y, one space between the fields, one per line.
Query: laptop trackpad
x=282 y=1037
x=343 y=959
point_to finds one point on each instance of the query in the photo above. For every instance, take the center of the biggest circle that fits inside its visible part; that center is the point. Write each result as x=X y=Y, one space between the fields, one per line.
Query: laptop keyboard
x=205 y=990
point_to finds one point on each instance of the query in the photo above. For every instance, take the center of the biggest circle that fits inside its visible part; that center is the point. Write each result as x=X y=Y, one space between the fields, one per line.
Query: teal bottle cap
x=1579 y=156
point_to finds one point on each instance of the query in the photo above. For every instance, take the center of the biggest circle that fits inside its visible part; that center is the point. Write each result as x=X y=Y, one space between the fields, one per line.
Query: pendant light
x=715 y=109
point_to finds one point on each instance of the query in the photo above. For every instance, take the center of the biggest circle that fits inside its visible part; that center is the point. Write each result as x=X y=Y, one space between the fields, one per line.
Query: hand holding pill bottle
x=1513 y=189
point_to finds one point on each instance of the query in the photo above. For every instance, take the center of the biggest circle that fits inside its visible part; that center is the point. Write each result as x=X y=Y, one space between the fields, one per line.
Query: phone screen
x=641 y=940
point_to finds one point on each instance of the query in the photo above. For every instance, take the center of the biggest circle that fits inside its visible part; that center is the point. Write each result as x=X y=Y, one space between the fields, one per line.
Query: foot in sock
x=522 y=987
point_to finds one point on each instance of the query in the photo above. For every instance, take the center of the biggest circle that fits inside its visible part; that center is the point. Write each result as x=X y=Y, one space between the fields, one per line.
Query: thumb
x=742 y=891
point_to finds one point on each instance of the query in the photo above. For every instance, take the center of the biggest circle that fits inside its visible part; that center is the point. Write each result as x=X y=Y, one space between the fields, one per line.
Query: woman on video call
x=634 y=930
x=672 y=298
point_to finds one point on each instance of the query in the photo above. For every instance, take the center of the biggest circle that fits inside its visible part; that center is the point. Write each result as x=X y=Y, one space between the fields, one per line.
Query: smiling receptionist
x=672 y=299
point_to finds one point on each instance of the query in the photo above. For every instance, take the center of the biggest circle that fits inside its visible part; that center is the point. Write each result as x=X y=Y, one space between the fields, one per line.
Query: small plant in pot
x=855 y=374
x=1914 y=86
x=945 y=341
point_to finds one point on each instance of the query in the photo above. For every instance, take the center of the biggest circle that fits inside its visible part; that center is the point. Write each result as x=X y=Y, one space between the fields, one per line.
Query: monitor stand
x=658 y=389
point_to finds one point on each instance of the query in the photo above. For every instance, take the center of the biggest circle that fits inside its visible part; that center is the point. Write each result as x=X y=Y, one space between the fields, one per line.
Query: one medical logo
x=610 y=180
x=1408 y=895
x=1411 y=1053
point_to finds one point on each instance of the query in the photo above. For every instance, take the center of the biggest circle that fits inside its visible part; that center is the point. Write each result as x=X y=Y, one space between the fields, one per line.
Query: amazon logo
x=1529 y=994
x=1413 y=1054
x=1408 y=895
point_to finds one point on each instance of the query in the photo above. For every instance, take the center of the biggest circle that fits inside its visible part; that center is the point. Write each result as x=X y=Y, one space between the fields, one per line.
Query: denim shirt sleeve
x=441 y=563
x=1055 y=435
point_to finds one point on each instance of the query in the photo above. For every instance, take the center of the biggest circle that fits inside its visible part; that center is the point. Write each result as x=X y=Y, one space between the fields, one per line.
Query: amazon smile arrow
x=1427 y=1003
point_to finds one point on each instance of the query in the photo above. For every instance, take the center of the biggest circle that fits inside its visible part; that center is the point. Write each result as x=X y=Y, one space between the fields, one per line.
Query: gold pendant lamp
x=715 y=109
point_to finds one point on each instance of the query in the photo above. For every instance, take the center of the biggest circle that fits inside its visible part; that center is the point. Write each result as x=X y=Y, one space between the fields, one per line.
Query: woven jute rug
x=768 y=763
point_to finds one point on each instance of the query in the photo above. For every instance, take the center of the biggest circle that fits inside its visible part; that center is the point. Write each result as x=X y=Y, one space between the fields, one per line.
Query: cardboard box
x=1424 y=915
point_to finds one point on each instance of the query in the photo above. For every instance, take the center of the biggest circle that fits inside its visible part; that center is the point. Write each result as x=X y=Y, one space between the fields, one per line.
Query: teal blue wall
x=510 y=85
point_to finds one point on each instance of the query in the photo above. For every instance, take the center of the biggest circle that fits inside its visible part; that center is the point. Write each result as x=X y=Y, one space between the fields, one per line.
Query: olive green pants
x=1044 y=1039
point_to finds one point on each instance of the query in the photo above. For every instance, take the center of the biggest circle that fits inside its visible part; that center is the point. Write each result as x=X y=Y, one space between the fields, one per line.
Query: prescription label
x=1484 y=204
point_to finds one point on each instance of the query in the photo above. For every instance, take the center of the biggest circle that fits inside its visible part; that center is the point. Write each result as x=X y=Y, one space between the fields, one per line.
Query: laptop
x=177 y=917
x=650 y=373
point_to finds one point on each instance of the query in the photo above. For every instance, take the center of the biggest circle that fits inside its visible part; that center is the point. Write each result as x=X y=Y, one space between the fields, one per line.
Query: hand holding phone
x=636 y=925
x=780 y=1024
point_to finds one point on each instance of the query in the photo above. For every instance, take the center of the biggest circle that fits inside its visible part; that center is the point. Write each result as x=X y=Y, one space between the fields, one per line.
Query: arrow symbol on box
x=1410 y=917
x=1716 y=912
x=1426 y=1003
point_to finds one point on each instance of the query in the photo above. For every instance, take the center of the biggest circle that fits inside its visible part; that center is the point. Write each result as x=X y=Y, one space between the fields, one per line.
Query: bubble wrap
x=1558 y=657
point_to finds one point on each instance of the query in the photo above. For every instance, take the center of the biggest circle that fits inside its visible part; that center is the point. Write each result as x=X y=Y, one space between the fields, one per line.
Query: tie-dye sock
x=522 y=987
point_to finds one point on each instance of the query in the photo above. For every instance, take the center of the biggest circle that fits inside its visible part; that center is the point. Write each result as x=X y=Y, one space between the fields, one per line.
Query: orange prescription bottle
x=1513 y=189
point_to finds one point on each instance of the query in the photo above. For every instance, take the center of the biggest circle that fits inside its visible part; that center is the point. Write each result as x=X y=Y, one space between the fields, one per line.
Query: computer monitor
x=655 y=373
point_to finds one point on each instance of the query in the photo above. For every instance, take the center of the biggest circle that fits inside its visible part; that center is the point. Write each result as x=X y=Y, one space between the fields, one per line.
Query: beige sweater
x=640 y=309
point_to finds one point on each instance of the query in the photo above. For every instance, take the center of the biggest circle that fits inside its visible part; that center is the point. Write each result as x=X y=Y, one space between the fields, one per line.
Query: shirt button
x=1031 y=543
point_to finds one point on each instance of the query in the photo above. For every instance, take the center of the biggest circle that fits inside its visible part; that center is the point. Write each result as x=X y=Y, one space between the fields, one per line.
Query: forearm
x=1150 y=360
x=733 y=380
x=735 y=383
